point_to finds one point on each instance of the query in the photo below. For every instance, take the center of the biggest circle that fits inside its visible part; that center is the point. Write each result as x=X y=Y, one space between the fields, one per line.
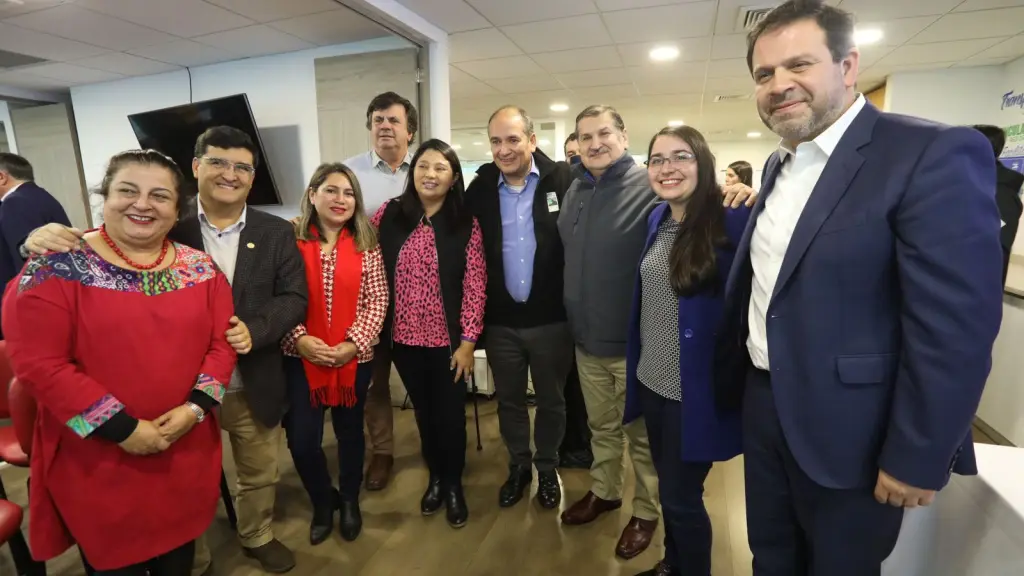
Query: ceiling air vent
x=749 y=17
x=731 y=97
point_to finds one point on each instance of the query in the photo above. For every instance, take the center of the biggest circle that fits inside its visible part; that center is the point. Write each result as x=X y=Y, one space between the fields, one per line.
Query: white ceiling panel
x=510 y=85
x=972 y=62
x=258 y=40
x=185 y=53
x=590 y=78
x=971 y=25
x=24 y=41
x=871 y=54
x=910 y=54
x=74 y=23
x=899 y=31
x=450 y=15
x=333 y=27
x=270 y=10
x=1007 y=49
x=13 y=9
x=602 y=93
x=731 y=68
x=23 y=79
x=504 y=12
x=729 y=46
x=662 y=23
x=881 y=10
x=690 y=50
x=71 y=74
x=610 y=5
x=470 y=88
x=680 y=71
x=184 y=18
x=560 y=34
x=969 y=5
x=579 y=59
x=667 y=87
x=729 y=85
x=511 y=66
x=126 y=64
x=480 y=45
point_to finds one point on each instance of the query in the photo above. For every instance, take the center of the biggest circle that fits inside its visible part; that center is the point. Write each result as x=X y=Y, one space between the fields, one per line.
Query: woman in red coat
x=121 y=342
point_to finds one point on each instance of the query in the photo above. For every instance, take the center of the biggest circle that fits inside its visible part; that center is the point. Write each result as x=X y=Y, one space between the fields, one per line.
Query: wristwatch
x=199 y=412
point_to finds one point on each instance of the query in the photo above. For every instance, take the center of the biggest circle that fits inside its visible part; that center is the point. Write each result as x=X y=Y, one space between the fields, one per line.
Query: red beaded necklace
x=117 y=250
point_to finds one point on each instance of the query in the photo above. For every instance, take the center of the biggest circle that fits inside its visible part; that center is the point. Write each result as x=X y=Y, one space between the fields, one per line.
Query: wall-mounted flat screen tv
x=174 y=130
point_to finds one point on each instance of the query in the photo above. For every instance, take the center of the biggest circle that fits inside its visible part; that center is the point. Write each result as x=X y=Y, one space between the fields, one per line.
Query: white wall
x=949 y=95
x=5 y=117
x=281 y=91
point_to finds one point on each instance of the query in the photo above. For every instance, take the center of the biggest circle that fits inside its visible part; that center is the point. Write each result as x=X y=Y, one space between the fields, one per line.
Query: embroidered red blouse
x=419 y=311
x=371 y=308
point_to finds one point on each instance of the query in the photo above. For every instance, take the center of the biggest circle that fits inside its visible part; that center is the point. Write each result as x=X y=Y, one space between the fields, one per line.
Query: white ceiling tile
x=23 y=79
x=1006 y=49
x=43 y=45
x=470 y=88
x=729 y=85
x=335 y=27
x=501 y=67
x=258 y=40
x=871 y=54
x=480 y=45
x=579 y=59
x=526 y=84
x=10 y=9
x=690 y=72
x=559 y=34
x=731 y=68
x=662 y=23
x=970 y=5
x=667 y=86
x=970 y=62
x=970 y=25
x=910 y=54
x=690 y=50
x=882 y=10
x=589 y=78
x=185 y=53
x=185 y=18
x=450 y=15
x=610 y=5
x=613 y=92
x=898 y=31
x=83 y=25
x=455 y=75
x=72 y=74
x=270 y=10
x=505 y=13
x=125 y=64
x=729 y=46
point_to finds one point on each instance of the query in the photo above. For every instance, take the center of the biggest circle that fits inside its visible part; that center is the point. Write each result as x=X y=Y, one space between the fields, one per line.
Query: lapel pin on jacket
x=250 y=245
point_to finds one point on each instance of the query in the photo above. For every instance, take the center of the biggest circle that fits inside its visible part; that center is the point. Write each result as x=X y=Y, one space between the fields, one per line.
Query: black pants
x=545 y=352
x=177 y=562
x=795 y=526
x=687 y=524
x=577 y=431
x=440 y=406
x=304 y=427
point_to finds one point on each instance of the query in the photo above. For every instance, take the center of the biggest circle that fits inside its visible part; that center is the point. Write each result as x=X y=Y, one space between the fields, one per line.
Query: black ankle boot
x=455 y=501
x=511 y=492
x=323 y=521
x=351 y=520
x=432 y=501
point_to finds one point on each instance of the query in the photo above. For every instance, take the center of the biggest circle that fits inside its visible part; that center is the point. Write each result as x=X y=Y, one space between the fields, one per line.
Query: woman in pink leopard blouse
x=328 y=362
x=434 y=257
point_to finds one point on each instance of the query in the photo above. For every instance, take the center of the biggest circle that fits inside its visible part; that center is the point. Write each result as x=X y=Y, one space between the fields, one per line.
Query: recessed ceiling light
x=664 y=53
x=753 y=134
x=544 y=142
x=559 y=107
x=868 y=36
x=675 y=123
x=478 y=143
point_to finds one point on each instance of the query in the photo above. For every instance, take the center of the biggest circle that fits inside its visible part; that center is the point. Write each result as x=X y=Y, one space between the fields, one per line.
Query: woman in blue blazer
x=677 y=306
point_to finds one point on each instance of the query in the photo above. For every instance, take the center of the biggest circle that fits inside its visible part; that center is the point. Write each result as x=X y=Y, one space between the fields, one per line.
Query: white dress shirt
x=378 y=182
x=222 y=246
x=801 y=169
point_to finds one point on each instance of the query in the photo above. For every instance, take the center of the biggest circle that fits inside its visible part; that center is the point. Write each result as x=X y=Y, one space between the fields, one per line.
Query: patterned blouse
x=658 y=368
x=419 y=310
x=371 y=308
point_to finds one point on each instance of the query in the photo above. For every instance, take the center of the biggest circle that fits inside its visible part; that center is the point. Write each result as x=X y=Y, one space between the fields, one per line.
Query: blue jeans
x=304 y=427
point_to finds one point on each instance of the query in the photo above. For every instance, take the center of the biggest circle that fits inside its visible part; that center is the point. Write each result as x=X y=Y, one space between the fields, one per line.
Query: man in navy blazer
x=863 y=303
x=24 y=206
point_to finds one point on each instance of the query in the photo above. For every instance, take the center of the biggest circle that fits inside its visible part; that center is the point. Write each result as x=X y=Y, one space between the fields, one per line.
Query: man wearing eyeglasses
x=258 y=254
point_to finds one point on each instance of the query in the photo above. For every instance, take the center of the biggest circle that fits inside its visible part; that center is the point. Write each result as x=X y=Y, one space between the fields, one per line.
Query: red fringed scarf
x=332 y=386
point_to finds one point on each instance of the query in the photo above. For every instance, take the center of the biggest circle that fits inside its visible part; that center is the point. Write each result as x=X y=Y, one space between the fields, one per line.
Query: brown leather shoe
x=379 y=472
x=636 y=537
x=274 y=557
x=587 y=509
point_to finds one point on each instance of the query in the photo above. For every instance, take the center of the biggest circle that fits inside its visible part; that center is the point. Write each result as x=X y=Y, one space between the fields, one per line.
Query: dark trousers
x=304 y=427
x=177 y=562
x=795 y=526
x=687 y=524
x=516 y=354
x=577 y=431
x=440 y=406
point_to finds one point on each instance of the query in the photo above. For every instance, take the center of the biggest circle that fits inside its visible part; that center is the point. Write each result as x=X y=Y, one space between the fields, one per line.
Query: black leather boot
x=323 y=521
x=519 y=479
x=455 y=501
x=351 y=520
x=432 y=498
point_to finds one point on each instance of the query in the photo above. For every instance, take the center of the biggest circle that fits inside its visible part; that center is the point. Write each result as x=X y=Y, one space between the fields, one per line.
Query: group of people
x=835 y=328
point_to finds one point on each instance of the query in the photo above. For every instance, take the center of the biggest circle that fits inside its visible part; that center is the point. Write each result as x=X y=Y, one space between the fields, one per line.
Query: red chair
x=10 y=521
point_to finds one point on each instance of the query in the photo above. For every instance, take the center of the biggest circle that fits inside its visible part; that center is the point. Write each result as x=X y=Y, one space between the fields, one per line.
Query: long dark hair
x=692 y=260
x=744 y=171
x=453 y=210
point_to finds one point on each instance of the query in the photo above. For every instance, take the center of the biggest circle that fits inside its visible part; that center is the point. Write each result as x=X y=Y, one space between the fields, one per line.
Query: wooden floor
x=397 y=540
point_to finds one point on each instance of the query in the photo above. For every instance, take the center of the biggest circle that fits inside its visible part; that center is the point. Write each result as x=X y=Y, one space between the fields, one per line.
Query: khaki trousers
x=255 y=449
x=603 y=381
x=379 y=413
